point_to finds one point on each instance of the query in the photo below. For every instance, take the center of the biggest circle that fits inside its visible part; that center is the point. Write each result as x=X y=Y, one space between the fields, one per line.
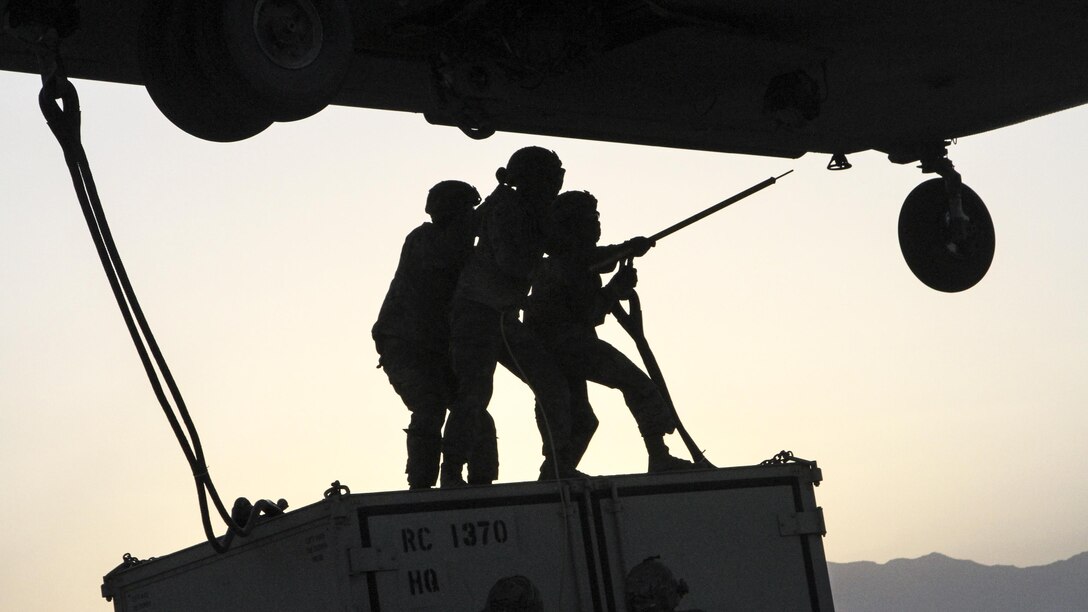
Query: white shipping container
x=744 y=538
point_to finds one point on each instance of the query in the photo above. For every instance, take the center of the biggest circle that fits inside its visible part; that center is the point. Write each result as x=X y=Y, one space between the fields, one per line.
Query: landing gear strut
x=945 y=232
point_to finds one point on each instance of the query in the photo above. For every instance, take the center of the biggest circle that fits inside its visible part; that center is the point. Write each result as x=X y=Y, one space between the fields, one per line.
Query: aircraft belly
x=683 y=88
x=888 y=74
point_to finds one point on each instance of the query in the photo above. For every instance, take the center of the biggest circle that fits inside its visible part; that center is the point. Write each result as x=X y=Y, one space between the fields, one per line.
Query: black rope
x=631 y=322
x=64 y=121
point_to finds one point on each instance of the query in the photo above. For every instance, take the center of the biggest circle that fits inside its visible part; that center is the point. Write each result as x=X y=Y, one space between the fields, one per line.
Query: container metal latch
x=802 y=523
x=363 y=560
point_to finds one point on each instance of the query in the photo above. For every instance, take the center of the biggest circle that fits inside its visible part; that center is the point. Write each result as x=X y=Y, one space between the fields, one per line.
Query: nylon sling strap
x=631 y=322
x=64 y=121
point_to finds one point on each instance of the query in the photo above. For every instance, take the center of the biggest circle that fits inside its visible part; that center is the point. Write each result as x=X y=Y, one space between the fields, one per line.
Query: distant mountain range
x=936 y=583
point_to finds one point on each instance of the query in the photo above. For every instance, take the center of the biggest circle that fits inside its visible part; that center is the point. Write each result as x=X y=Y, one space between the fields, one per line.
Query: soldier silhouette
x=412 y=333
x=484 y=325
x=566 y=305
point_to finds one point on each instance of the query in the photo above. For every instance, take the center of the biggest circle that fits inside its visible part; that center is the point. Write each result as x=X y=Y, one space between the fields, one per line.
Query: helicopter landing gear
x=224 y=70
x=945 y=232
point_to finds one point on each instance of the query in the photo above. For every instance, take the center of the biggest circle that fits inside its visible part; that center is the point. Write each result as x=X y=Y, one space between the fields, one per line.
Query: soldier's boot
x=483 y=461
x=451 y=475
x=483 y=470
x=660 y=460
x=424 y=453
x=547 y=472
x=668 y=463
x=564 y=467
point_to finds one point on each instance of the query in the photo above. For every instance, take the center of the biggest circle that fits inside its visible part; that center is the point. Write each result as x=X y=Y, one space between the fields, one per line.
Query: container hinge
x=802 y=523
x=363 y=560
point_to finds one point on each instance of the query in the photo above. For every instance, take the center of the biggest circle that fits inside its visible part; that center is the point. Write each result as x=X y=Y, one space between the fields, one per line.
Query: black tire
x=943 y=256
x=176 y=75
x=287 y=57
x=218 y=70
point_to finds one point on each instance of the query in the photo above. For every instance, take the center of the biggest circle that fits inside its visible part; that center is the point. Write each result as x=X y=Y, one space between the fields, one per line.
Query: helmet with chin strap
x=451 y=198
x=514 y=594
x=527 y=162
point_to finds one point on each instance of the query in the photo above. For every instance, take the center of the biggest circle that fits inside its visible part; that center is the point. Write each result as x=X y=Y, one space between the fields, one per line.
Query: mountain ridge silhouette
x=939 y=583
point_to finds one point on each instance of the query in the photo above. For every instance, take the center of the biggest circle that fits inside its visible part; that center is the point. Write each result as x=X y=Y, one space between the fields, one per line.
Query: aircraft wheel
x=946 y=255
x=176 y=76
x=290 y=56
x=223 y=70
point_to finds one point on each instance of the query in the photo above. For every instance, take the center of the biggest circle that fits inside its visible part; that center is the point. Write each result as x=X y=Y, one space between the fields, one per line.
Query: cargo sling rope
x=564 y=494
x=64 y=121
x=631 y=322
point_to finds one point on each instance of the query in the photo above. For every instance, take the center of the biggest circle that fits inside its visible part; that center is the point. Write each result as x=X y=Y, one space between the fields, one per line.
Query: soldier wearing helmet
x=484 y=324
x=567 y=304
x=412 y=333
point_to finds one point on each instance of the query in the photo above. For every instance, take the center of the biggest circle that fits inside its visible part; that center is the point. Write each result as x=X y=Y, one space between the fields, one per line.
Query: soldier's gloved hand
x=623 y=283
x=638 y=245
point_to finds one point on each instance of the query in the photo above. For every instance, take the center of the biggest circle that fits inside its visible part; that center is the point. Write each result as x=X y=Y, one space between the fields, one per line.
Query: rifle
x=626 y=253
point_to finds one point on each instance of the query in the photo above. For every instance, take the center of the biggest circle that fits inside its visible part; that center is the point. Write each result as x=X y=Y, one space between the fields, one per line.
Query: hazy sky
x=949 y=423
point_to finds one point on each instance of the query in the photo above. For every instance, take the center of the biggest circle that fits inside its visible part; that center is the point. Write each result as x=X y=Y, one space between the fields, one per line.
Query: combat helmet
x=514 y=594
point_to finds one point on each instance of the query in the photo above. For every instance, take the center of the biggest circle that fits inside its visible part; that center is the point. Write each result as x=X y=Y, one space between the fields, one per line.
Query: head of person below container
x=514 y=594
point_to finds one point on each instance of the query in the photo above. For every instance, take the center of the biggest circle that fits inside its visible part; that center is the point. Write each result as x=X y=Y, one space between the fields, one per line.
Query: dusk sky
x=950 y=423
